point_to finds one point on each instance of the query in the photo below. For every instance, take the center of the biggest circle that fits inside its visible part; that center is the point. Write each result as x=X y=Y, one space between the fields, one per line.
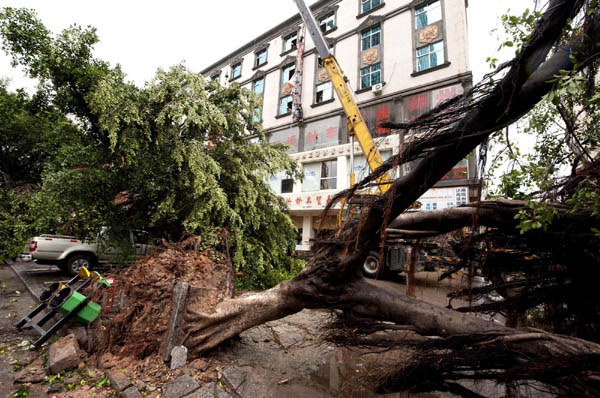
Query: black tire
x=371 y=266
x=74 y=263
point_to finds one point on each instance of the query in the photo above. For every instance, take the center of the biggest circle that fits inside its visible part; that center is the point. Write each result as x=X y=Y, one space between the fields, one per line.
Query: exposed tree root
x=571 y=366
x=470 y=347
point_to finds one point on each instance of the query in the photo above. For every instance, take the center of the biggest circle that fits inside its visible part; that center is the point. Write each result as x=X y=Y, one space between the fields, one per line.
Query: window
x=320 y=175
x=289 y=42
x=236 y=70
x=260 y=58
x=285 y=100
x=361 y=168
x=287 y=185
x=140 y=237
x=366 y=5
x=258 y=86
x=329 y=174
x=370 y=75
x=257 y=114
x=371 y=37
x=281 y=183
x=288 y=73
x=285 y=105
x=216 y=78
x=426 y=15
x=327 y=22
x=430 y=56
x=324 y=92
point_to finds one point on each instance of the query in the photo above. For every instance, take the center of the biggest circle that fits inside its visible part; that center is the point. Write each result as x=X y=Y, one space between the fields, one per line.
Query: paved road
x=428 y=288
x=37 y=277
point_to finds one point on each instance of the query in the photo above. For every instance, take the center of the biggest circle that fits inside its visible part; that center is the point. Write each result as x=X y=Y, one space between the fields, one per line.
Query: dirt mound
x=137 y=309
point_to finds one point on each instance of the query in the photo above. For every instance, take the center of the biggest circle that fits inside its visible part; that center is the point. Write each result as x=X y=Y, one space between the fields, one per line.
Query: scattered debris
x=118 y=380
x=32 y=373
x=64 y=354
x=178 y=357
x=131 y=392
x=138 y=328
x=180 y=387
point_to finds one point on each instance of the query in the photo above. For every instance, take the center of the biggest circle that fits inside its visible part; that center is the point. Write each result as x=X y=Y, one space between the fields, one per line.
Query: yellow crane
x=356 y=124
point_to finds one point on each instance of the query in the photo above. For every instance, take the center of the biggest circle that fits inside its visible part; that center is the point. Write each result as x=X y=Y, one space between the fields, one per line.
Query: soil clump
x=136 y=309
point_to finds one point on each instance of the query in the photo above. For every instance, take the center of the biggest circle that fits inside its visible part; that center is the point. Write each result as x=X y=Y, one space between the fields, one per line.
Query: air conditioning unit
x=377 y=88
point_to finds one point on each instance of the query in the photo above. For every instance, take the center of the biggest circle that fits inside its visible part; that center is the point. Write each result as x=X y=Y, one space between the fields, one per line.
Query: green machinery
x=67 y=301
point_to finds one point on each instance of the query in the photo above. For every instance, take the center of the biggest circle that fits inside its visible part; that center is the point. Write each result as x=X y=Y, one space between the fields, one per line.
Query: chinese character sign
x=443 y=94
x=322 y=133
x=288 y=137
x=417 y=105
x=375 y=115
x=382 y=116
x=459 y=172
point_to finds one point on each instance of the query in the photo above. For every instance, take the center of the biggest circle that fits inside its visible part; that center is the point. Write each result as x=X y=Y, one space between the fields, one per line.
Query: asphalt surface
x=37 y=277
x=428 y=288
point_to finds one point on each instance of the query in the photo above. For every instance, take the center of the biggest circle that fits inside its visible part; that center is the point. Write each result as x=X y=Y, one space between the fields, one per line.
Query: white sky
x=145 y=35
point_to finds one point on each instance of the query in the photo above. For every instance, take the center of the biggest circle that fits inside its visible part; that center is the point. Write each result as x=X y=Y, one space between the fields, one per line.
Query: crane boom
x=313 y=28
x=356 y=123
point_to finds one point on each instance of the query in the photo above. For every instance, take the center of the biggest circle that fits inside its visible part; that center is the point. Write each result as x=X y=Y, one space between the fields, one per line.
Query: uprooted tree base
x=447 y=134
x=467 y=347
x=136 y=311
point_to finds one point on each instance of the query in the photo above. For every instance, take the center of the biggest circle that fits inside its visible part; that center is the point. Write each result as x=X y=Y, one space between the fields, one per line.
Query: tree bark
x=497 y=214
x=332 y=278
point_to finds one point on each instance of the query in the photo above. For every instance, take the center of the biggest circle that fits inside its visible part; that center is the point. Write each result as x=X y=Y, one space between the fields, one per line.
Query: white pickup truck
x=70 y=253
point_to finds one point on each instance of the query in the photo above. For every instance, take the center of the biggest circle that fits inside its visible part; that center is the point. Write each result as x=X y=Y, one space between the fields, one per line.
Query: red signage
x=382 y=116
x=457 y=173
x=417 y=105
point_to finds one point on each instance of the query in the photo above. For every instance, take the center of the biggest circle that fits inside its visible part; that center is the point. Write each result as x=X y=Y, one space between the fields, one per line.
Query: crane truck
x=397 y=251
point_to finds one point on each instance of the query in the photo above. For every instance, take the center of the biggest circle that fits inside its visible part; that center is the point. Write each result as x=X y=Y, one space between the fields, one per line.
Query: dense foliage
x=31 y=133
x=173 y=157
x=553 y=157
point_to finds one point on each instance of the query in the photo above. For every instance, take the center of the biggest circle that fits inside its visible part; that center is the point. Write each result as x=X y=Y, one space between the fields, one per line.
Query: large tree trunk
x=332 y=278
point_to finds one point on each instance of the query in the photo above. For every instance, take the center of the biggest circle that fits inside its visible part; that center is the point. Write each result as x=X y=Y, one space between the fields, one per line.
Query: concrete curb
x=11 y=264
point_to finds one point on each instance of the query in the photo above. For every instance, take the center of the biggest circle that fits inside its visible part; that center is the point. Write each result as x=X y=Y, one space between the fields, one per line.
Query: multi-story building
x=401 y=57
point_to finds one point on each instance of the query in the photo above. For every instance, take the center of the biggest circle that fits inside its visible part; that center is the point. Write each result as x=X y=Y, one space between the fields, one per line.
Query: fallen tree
x=446 y=135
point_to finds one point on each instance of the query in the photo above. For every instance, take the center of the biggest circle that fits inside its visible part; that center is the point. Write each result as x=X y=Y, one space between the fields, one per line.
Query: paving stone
x=235 y=377
x=139 y=384
x=118 y=380
x=199 y=364
x=210 y=390
x=32 y=373
x=131 y=392
x=288 y=335
x=180 y=387
x=178 y=357
x=63 y=354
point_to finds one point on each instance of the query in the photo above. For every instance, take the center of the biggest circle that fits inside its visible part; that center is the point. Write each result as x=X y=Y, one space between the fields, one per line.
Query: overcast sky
x=145 y=35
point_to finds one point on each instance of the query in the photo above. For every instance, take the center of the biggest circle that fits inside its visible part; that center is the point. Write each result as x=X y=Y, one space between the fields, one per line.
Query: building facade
x=401 y=58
